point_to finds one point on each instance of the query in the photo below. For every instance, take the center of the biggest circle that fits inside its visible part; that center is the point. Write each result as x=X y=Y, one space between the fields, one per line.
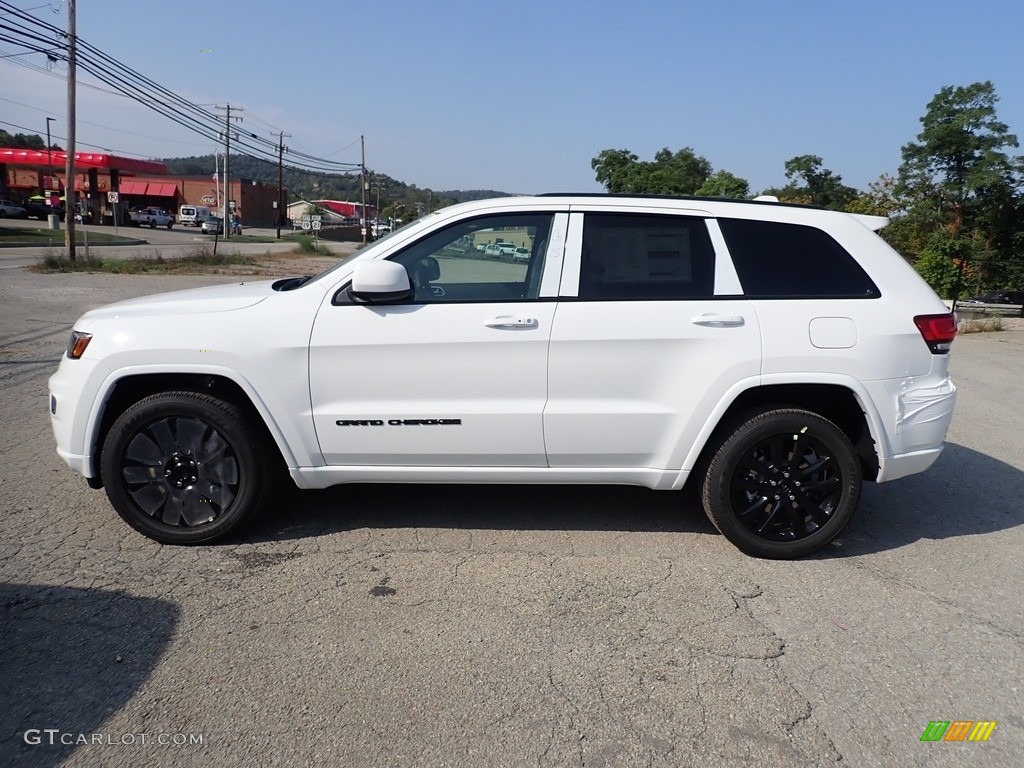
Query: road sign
x=112 y=197
x=316 y=217
x=316 y=226
x=306 y=224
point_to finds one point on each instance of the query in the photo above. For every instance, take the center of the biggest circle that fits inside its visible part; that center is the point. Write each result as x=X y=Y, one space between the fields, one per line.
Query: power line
x=156 y=97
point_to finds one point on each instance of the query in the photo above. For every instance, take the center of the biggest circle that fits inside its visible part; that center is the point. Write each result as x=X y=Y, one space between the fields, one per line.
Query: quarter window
x=494 y=258
x=776 y=260
x=639 y=256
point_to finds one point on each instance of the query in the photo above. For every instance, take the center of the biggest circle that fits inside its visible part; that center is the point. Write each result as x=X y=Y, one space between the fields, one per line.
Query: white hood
x=213 y=298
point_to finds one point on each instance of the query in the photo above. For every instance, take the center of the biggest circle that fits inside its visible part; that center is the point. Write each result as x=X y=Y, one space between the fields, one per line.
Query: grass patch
x=249 y=239
x=304 y=244
x=984 y=325
x=55 y=237
x=197 y=261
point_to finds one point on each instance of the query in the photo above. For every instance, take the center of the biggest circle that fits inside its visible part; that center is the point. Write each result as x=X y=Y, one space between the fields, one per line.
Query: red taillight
x=938 y=331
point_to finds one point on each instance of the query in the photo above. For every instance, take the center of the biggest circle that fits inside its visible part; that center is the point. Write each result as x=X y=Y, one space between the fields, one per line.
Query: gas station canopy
x=83 y=161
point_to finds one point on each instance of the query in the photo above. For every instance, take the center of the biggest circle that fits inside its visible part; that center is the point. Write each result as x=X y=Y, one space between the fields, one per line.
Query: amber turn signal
x=76 y=346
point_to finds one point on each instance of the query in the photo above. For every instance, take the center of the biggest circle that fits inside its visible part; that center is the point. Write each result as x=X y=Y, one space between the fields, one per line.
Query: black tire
x=185 y=468
x=152 y=223
x=170 y=224
x=782 y=484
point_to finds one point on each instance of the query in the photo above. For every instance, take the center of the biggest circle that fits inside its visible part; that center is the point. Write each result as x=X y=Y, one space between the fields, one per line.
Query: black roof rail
x=682 y=197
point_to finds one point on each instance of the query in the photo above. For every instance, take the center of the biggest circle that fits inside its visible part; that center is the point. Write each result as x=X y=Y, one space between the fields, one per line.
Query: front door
x=455 y=376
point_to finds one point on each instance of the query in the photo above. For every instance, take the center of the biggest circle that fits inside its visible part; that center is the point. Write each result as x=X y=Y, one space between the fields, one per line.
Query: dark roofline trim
x=682 y=197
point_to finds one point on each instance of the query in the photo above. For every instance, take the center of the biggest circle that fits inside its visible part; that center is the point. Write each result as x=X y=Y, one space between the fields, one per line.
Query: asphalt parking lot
x=483 y=626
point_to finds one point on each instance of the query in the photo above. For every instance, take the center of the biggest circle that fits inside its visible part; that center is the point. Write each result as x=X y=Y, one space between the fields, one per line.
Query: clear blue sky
x=520 y=96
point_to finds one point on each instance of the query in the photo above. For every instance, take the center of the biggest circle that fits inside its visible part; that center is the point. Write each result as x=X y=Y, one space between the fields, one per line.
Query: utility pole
x=376 y=211
x=69 y=169
x=280 y=179
x=227 y=161
x=49 y=155
x=362 y=187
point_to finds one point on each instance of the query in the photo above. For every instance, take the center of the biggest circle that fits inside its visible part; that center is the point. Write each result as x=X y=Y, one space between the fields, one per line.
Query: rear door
x=651 y=333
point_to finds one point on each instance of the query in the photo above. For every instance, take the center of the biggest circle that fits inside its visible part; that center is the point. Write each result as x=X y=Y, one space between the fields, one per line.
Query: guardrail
x=968 y=308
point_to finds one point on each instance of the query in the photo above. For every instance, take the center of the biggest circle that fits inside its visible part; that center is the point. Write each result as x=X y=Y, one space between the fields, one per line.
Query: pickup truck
x=154 y=217
x=36 y=209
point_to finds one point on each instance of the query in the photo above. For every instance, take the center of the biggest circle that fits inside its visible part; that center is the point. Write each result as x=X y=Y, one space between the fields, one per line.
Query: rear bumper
x=895 y=467
x=919 y=414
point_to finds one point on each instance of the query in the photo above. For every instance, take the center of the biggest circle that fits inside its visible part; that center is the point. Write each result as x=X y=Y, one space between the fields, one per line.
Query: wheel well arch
x=835 y=402
x=129 y=390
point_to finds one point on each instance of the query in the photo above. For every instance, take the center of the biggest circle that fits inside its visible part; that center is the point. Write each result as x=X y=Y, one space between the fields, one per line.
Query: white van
x=193 y=215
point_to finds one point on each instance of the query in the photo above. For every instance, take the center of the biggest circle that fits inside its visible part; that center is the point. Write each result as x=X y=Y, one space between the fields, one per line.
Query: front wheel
x=170 y=224
x=185 y=468
x=782 y=484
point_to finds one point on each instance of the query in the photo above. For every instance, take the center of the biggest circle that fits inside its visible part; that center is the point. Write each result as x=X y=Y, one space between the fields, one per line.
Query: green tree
x=961 y=188
x=811 y=184
x=23 y=140
x=619 y=170
x=724 y=184
x=670 y=173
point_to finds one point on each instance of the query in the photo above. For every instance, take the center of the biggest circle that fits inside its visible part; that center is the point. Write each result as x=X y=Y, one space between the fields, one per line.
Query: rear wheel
x=185 y=468
x=782 y=484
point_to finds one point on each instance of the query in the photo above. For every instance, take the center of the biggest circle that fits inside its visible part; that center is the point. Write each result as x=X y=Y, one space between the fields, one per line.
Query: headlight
x=76 y=346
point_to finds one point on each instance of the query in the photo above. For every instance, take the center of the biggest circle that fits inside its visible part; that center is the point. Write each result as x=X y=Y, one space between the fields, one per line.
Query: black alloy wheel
x=184 y=468
x=783 y=484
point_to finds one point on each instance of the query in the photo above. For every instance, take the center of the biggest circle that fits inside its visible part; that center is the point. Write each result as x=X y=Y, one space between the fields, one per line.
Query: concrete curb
x=60 y=243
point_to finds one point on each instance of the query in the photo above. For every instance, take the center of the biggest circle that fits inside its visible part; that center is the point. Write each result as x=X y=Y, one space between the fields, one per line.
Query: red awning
x=162 y=190
x=83 y=160
x=132 y=188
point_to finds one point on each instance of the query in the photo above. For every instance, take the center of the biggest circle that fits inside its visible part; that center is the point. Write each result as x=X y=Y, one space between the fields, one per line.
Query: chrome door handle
x=509 y=321
x=718 y=321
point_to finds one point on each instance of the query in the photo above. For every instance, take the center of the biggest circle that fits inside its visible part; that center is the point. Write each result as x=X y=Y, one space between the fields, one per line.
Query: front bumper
x=72 y=397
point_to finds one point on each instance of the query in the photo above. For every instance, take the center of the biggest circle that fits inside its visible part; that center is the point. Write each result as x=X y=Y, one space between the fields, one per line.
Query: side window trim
x=570 y=283
x=727 y=282
x=554 y=257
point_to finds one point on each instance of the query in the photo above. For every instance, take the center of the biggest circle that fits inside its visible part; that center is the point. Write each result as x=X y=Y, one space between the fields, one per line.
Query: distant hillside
x=328 y=186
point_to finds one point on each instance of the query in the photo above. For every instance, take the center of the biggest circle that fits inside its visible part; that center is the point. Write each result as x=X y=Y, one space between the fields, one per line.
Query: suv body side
x=636 y=331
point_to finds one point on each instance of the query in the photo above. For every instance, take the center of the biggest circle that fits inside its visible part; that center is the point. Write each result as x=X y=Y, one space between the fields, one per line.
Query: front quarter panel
x=262 y=348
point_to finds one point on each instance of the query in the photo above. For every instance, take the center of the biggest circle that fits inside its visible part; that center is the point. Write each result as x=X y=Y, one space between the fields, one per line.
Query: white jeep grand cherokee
x=772 y=355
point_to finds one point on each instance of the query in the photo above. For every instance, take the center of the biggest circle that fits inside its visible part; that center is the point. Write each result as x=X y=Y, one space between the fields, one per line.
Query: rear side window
x=776 y=261
x=638 y=256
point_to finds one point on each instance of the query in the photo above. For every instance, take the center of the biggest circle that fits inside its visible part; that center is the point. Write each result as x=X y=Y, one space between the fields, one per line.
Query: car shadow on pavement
x=69 y=659
x=965 y=493
x=481 y=507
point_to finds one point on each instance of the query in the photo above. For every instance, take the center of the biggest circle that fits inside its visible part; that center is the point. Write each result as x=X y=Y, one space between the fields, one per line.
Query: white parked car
x=492 y=249
x=12 y=210
x=773 y=356
x=521 y=254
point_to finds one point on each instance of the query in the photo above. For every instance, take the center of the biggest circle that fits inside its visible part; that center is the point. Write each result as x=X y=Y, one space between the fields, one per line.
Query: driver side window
x=488 y=259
